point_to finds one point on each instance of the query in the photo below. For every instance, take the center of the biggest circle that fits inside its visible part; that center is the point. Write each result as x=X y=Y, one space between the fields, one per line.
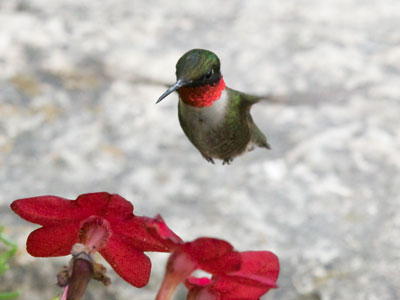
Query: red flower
x=102 y=221
x=257 y=275
x=209 y=254
x=162 y=233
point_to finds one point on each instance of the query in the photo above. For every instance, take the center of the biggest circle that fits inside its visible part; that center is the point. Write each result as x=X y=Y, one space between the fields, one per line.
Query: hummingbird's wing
x=250 y=99
x=137 y=79
x=295 y=98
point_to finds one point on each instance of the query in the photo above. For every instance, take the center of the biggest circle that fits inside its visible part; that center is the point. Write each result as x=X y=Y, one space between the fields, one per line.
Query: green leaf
x=4 y=257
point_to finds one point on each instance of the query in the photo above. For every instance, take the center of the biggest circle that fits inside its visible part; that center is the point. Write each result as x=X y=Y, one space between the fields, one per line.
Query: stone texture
x=78 y=115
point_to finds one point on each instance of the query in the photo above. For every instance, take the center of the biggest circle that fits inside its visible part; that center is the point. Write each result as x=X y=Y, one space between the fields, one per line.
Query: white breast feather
x=209 y=116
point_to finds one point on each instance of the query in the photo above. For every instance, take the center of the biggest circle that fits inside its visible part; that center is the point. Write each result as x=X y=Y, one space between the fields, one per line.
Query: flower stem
x=64 y=294
x=167 y=288
x=82 y=271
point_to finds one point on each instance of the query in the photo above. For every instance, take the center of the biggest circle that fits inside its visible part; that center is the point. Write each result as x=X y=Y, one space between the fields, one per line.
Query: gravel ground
x=77 y=115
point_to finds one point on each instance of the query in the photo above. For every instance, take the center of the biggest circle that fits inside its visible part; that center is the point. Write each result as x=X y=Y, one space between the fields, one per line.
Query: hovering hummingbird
x=215 y=118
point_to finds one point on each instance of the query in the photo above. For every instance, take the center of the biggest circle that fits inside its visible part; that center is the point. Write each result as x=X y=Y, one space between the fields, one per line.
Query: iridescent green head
x=195 y=68
x=198 y=67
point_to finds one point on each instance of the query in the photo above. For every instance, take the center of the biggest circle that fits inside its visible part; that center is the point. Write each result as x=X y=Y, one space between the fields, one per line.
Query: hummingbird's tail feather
x=263 y=144
x=266 y=145
x=257 y=136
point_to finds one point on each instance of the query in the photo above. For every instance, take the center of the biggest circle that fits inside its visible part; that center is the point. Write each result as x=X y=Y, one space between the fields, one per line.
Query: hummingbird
x=215 y=118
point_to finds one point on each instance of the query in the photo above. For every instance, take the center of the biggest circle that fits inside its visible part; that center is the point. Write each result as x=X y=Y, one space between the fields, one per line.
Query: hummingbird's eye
x=209 y=73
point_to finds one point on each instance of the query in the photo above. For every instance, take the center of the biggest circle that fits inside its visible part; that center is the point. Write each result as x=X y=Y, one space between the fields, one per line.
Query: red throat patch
x=201 y=96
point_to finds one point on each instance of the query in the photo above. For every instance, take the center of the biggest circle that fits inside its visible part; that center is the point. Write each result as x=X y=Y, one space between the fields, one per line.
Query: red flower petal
x=112 y=207
x=263 y=263
x=229 y=289
x=161 y=232
x=47 y=210
x=258 y=273
x=213 y=255
x=132 y=265
x=252 y=280
x=200 y=289
x=118 y=208
x=133 y=232
x=96 y=202
x=52 y=240
x=192 y=281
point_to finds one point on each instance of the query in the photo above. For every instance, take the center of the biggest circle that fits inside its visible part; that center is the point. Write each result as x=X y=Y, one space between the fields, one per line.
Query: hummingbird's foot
x=227 y=161
x=209 y=159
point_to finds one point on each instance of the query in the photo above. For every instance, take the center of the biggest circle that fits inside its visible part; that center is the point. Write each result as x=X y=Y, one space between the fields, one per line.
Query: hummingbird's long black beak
x=173 y=88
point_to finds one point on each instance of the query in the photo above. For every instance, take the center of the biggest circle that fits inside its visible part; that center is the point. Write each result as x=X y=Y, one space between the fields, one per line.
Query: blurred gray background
x=77 y=116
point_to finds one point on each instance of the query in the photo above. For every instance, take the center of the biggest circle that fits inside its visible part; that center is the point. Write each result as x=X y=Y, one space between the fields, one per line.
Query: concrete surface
x=76 y=116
